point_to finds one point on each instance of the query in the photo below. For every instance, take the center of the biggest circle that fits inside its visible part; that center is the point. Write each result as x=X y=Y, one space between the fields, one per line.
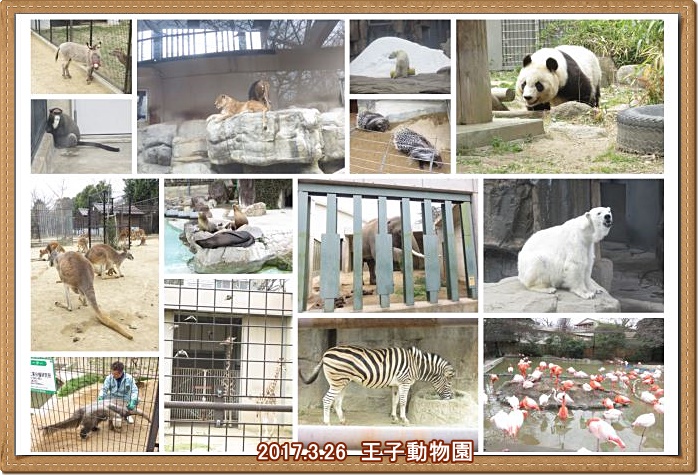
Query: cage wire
x=228 y=361
x=79 y=381
x=374 y=152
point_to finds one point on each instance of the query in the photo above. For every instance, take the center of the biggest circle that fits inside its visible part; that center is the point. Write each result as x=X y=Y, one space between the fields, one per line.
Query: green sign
x=43 y=375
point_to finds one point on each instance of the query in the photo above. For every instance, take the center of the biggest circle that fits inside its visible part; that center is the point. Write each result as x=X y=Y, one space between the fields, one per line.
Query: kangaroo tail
x=124 y=411
x=105 y=319
x=311 y=379
x=58 y=50
x=100 y=145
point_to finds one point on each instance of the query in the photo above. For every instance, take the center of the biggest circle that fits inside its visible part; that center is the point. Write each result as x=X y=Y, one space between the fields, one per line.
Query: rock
x=510 y=296
x=158 y=155
x=629 y=75
x=273 y=248
x=608 y=71
x=257 y=209
x=332 y=124
x=292 y=137
x=195 y=147
x=218 y=191
x=158 y=134
x=578 y=132
x=569 y=110
x=192 y=168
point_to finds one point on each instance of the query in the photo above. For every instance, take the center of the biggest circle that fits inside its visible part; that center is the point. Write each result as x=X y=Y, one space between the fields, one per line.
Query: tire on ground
x=641 y=130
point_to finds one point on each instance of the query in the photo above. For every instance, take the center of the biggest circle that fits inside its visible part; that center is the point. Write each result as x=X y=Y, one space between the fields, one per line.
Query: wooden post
x=473 y=86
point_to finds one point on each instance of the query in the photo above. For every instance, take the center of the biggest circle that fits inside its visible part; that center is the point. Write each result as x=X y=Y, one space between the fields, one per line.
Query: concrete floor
x=87 y=159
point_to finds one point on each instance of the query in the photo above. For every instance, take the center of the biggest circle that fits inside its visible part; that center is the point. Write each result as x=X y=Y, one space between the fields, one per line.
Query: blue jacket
x=127 y=390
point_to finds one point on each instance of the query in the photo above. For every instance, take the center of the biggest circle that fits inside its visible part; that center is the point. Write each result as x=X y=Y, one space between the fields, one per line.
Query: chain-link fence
x=73 y=419
x=116 y=222
x=115 y=39
x=228 y=369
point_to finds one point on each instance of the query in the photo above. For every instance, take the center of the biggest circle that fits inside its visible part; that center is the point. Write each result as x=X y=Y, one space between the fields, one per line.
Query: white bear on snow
x=562 y=257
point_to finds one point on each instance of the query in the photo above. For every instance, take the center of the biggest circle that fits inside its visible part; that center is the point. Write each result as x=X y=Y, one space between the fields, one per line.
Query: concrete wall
x=186 y=89
x=454 y=340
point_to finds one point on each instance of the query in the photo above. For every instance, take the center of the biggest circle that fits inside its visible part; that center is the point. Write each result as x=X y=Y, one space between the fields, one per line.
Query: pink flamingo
x=603 y=431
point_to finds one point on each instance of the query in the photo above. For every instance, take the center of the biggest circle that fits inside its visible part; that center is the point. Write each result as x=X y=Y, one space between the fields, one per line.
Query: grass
x=78 y=383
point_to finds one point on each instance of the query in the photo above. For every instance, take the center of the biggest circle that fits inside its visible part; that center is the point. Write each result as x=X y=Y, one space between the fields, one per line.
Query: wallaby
x=107 y=258
x=82 y=244
x=50 y=247
x=77 y=274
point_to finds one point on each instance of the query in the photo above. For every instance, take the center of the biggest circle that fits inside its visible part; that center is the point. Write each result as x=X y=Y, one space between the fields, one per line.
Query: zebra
x=396 y=367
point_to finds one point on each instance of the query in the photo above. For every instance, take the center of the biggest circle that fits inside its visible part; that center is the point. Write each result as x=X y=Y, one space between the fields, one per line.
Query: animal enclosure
x=113 y=35
x=447 y=250
x=228 y=365
x=79 y=381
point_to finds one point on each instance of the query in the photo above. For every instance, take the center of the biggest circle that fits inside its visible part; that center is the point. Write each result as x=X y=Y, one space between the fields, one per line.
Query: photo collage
x=342 y=235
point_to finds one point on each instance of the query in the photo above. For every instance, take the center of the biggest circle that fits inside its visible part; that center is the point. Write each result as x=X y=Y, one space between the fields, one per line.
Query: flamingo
x=645 y=421
x=516 y=420
x=580 y=374
x=613 y=415
x=563 y=413
x=513 y=402
x=542 y=365
x=595 y=385
x=543 y=399
x=603 y=431
x=528 y=403
x=527 y=384
x=558 y=396
x=518 y=379
x=622 y=400
x=648 y=397
x=586 y=387
x=535 y=375
x=510 y=369
x=607 y=403
x=567 y=384
x=571 y=370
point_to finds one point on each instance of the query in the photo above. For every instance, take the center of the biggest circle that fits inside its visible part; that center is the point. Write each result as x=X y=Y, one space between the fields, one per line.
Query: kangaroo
x=77 y=274
x=107 y=258
x=89 y=417
x=82 y=244
x=52 y=246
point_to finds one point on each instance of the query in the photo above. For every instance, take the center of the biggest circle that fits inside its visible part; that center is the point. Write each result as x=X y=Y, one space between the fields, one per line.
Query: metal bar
x=329 y=258
x=469 y=249
x=357 y=258
x=154 y=426
x=227 y=406
x=450 y=261
x=303 y=248
x=348 y=190
x=407 y=261
x=384 y=256
x=430 y=241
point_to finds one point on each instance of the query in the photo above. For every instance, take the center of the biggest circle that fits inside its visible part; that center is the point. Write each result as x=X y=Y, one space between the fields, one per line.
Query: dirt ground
x=374 y=152
x=46 y=75
x=370 y=298
x=131 y=437
x=131 y=300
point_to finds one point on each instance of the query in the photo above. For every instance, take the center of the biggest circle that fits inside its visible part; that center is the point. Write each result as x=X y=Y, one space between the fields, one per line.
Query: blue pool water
x=177 y=255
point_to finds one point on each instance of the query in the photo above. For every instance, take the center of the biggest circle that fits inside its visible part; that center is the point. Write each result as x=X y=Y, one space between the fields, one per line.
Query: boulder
x=293 y=139
x=510 y=296
x=272 y=248
x=256 y=209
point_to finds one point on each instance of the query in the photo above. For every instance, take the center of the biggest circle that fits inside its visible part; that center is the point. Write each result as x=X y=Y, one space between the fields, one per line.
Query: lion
x=229 y=107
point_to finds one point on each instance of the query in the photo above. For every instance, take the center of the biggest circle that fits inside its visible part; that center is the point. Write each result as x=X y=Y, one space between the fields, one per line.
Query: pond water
x=544 y=431
x=177 y=255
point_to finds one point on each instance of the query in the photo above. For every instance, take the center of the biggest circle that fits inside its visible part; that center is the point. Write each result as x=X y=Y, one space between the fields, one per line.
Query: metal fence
x=101 y=222
x=79 y=381
x=229 y=366
x=39 y=110
x=511 y=40
x=447 y=249
x=113 y=35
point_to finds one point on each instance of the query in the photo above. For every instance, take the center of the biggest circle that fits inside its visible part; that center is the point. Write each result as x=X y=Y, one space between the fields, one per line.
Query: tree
x=609 y=341
x=506 y=331
x=141 y=189
x=92 y=193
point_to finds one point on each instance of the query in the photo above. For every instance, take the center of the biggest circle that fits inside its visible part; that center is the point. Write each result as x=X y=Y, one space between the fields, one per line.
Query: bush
x=625 y=41
x=79 y=383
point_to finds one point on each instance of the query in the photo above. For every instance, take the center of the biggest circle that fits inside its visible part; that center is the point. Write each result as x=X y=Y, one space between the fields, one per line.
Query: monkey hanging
x=66 y=133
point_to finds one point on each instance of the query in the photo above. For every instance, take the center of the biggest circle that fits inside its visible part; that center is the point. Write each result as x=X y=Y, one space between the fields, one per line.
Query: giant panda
x=551 y=76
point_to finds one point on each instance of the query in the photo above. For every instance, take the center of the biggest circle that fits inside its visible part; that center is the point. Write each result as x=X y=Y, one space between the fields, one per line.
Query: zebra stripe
x=394 y=367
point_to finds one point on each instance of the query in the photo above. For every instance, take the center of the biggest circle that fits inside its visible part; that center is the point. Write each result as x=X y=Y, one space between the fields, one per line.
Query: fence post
x=430 y=242
x=303 y=248
x=450 y=261
x=358 y=255
x=407 y=262
x=329 y=258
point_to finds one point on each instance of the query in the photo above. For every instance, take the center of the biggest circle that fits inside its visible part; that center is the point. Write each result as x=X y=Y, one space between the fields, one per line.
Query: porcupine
x=372 y=121
x=417 y=147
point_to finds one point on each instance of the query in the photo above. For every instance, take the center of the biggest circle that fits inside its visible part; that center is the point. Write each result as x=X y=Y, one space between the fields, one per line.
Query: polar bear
x=561 y=257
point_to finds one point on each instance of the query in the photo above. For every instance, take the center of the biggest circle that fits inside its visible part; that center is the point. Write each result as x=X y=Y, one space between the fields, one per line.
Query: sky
x=52 y=187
